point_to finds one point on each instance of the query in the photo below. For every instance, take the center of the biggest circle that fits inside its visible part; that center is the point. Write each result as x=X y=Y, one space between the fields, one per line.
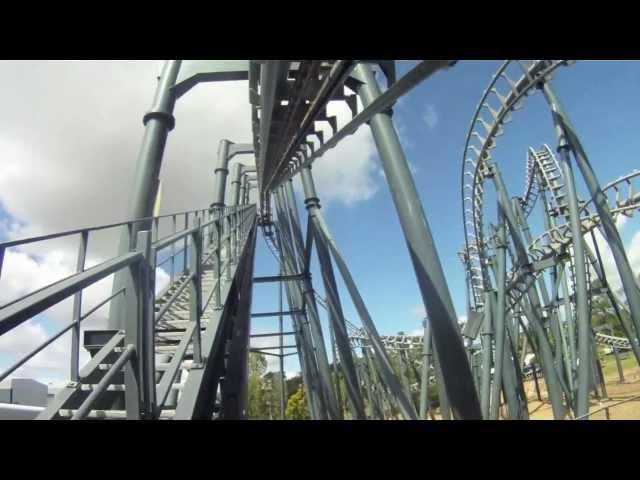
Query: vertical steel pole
x=288 y=201
x=617 y=355
x=457 y=373
x=486 y=339
x=512 y=378
x=221 y=171
x=424 y=381
x=552 y=371
x=580 y=288
x=568 y=313
x=336 y=316
x=77 y=309
x=217 y=305
x=227 y=243
x=597 y=368
x=551 y=376
x=236 y=175
x=195 y=290
x=336 y=372
x=403 y=374
x=375 y=407
x=542 y=287
x=173 y=250
x=158 y=123
x=499 y=317
x=185 y=258
x=306 y=354
x=281 y=358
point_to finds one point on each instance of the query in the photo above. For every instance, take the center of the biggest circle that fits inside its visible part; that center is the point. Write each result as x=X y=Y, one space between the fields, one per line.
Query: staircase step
x=164 y=349
x=111 y=414
x=111 y=388
x=162 y=367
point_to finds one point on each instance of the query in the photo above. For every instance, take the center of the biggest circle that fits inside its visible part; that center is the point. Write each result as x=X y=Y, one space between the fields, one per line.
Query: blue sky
x=601 y=98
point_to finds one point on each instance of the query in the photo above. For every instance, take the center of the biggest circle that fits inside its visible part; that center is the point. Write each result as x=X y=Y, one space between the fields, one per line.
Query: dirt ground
x=616 y=392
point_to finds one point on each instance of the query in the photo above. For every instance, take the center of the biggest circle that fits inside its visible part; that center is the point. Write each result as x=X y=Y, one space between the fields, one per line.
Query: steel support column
x=435 y=293
x=336 y=316
x=288 y=201
x=390 y=379
x=580 y=287
x=499 y=317
x=426 y=366
x=158 y=122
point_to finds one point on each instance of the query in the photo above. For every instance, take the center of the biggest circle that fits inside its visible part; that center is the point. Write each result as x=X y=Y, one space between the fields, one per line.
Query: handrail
x=636 y=397
x=158 y=265
x=13 y=243
x=48 y=342
x=51 y=236
x=173 y=238
x=17 y=312
x=215 y=286
x=174 y=296
x=83 y=410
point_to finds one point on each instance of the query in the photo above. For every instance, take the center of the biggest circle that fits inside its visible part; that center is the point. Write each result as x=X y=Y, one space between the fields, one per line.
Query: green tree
x=258 y=408
x=272 y=385
x=293 y=384
x=297 y=406
x=603 y=314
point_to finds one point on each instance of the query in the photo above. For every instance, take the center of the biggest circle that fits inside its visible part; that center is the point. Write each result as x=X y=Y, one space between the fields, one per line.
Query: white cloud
x=419 y=311
x=273 y=363
x=162 y=280
x=52 y=364
x=610 y=269
x=634 y=254
x=346 y=173
x=431 y=117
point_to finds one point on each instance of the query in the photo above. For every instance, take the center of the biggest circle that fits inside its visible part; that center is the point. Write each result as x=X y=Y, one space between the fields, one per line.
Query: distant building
x=22 y=399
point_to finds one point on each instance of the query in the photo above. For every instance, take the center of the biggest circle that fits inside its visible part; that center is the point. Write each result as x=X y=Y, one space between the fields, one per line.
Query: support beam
x=336 y=315
x=429 y=273
x=158 y=122
x=276 y=314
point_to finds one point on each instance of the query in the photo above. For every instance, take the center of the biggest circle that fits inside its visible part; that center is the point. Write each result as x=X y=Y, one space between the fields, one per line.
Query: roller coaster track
x=493 y=112
x=415 y=341
x=622 y=202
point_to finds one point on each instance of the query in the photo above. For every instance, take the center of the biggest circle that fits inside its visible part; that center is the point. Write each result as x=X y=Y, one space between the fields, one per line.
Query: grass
x=609 y=363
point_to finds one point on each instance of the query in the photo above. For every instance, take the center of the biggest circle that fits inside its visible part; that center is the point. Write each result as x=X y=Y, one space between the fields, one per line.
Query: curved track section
x=501 y=98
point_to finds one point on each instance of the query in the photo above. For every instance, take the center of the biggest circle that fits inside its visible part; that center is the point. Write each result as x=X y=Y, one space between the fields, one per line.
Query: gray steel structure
x=183 y=353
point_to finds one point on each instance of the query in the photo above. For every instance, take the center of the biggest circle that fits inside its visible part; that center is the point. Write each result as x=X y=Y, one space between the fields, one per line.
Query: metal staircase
x=141 y=370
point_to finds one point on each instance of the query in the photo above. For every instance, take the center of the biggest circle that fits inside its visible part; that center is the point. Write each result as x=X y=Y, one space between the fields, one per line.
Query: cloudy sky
x=70 y=133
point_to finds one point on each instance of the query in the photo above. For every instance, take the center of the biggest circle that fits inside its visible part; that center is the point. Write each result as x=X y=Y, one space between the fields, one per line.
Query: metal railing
x=607 y=409
x=216 y=233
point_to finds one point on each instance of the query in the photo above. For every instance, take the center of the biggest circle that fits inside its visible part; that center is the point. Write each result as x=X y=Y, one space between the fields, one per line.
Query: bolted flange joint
x=167 y=118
